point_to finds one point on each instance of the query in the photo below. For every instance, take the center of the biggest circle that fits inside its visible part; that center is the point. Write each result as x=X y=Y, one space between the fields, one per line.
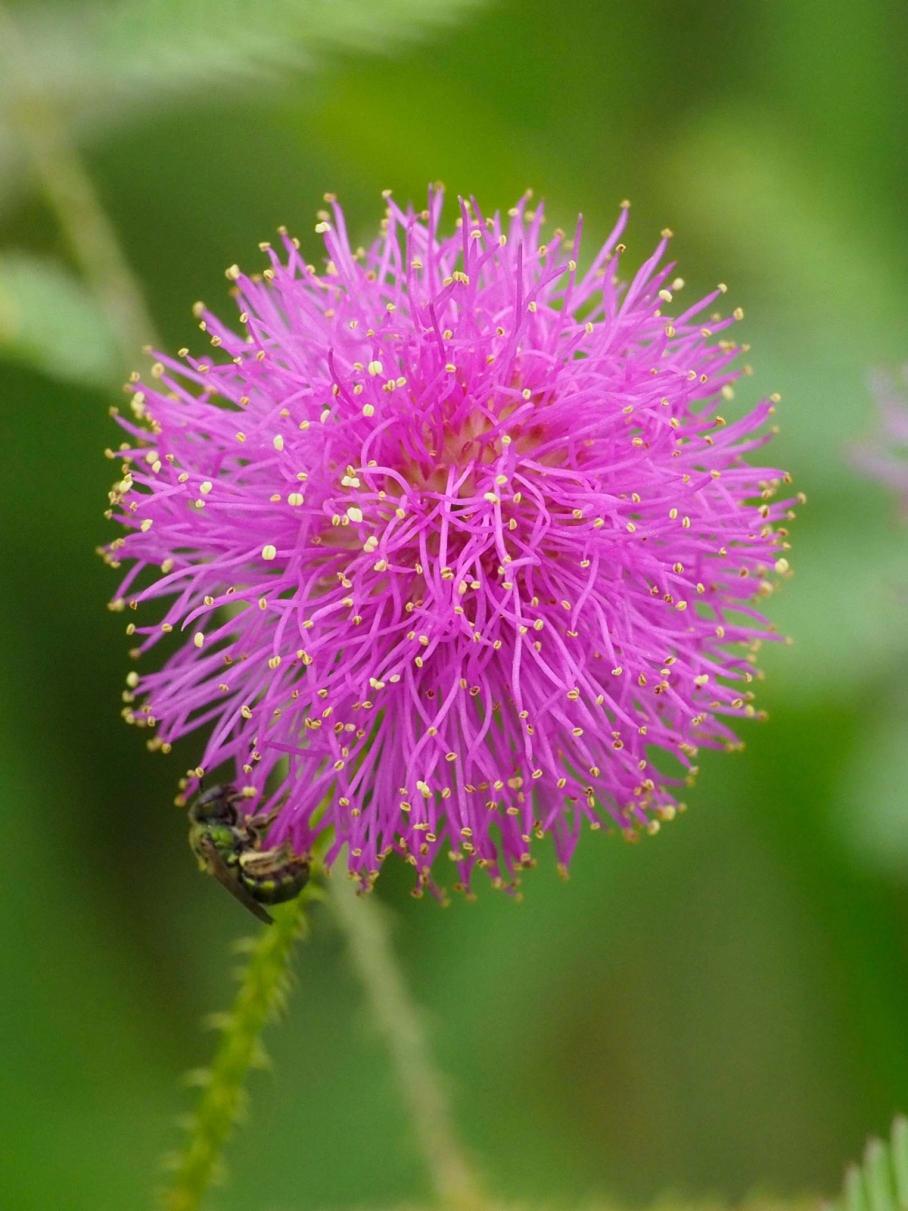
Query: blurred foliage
x=718 y=1010
x=49 y=320
x=106 y=64
x=881 y=1182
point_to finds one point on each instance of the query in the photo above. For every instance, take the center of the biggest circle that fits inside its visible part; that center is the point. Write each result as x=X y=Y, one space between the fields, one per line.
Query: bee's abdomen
x=272 y=877
x=277 y=890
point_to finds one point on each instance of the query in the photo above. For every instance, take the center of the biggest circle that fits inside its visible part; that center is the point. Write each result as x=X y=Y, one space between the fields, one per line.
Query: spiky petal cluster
x=456 y=529
x=885 y=456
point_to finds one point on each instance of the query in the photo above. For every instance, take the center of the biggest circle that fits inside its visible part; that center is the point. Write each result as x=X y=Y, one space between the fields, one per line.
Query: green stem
x=68 y=189
x=365 y=924
x=261 y=995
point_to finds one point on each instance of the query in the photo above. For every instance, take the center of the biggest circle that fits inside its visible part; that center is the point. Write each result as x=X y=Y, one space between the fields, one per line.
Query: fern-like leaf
x=100 y=64
x=880 y=1182
x=104 y=65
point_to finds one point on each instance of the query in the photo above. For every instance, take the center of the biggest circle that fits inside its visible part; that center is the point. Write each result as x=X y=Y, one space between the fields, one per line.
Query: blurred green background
x=720 y=1009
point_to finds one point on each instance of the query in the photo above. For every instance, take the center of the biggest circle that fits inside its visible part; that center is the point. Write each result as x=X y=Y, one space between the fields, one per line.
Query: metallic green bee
x=228 y=845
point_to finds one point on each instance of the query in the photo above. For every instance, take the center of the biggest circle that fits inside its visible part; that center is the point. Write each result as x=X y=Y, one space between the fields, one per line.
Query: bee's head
x=217 y=805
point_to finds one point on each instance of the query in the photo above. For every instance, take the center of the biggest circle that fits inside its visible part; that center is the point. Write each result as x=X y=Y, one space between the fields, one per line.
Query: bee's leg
x=263 y=821
x=257 y=826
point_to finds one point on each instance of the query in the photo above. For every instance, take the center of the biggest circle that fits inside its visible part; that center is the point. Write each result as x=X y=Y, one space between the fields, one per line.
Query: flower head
x=885 y=456
x=463 y=550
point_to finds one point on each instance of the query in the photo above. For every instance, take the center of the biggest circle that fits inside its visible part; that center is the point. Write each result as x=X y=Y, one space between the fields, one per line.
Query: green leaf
x=881 y=1182
x=900 y=1160
x=49 y=320
x=103 y=65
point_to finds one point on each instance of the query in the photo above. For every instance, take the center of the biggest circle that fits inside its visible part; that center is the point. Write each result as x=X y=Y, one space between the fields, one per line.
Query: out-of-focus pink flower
x=463 y=547
x=885 y=456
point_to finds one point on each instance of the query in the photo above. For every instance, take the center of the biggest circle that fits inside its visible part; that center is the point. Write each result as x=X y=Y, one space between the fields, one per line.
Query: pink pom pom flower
x=462 y=547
